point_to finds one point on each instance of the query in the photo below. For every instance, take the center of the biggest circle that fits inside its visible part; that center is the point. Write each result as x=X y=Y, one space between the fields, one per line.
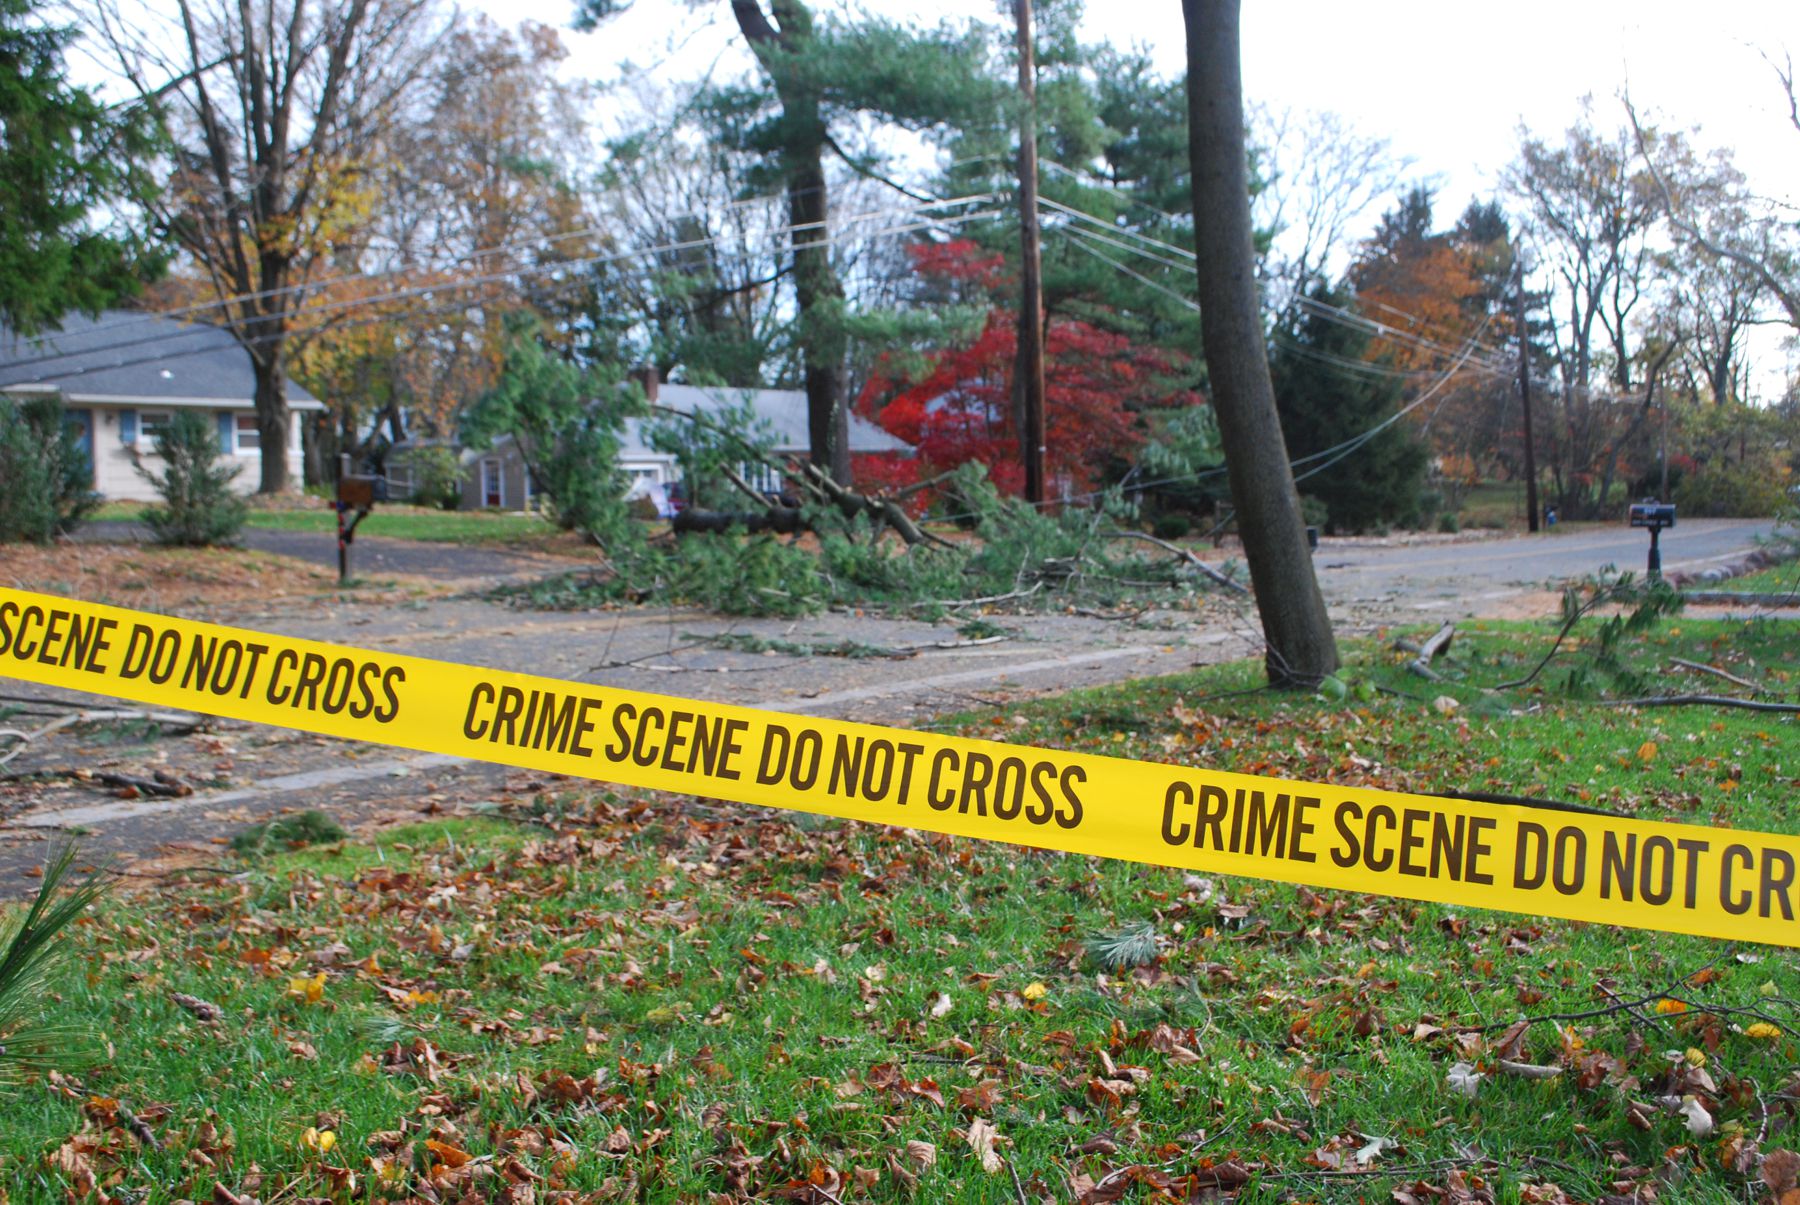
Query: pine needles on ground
x=1135 y=945
x=29 y=951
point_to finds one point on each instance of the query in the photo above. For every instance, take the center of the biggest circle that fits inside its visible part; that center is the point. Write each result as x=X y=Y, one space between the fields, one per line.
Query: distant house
x=497 y=476
x=122 y=376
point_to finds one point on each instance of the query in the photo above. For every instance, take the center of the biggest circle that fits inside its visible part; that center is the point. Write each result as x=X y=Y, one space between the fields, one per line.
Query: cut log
x=1433 y=648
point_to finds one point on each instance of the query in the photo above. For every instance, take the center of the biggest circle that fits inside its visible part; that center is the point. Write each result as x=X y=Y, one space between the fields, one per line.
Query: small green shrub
x=1313 y=512
x=437 y=475
x=199 y=506
x=1449 y=522
x=1171 y=526
x=47 y=477
x=283 y=833
x=1749 y=491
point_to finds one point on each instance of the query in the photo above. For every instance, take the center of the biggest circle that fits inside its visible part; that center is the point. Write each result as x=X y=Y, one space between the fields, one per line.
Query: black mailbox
x=1654 y=515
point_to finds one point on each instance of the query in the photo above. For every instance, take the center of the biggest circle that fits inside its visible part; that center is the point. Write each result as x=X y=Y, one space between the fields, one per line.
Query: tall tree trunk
x=1301 y=648
x=819 y=296
x=272 y=418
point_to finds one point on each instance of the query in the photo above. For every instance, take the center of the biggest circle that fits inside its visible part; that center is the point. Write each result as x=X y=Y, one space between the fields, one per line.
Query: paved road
x=934 y=669
x=1470 y=575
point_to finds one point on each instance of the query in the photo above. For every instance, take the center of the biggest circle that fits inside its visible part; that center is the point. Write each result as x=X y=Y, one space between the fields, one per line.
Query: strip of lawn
x=400 y=523
x=596 y=995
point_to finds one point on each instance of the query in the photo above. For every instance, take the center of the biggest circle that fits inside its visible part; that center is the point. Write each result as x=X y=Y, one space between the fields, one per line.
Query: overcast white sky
x=1448 y=83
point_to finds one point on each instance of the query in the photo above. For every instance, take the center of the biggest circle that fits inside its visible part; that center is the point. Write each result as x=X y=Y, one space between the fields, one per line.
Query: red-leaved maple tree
x=961 y=408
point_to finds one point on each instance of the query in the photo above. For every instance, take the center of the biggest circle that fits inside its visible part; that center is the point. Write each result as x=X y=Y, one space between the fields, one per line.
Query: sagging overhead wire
x=426 y=292
x=549 y=268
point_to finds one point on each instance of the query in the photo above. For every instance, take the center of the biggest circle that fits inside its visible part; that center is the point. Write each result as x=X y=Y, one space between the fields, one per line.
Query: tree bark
x=272 y=418
x=818 y=294
x=1301 y=648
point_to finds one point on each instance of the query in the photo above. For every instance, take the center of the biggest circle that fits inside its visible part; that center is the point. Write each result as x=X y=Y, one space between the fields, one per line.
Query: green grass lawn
x=451 y=527
x=1497 y=504
x=402 y=523
x=623 y=996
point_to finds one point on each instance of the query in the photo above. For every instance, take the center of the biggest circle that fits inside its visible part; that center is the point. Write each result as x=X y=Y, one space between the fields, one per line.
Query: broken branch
x=1204 y=568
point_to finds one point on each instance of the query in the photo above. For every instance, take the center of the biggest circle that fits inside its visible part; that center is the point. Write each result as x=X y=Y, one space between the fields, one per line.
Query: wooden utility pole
x=1030 y=368
x=1531 y=494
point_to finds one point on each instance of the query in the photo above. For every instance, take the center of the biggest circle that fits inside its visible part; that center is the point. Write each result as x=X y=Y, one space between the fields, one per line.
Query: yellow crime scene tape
x=1671 y=877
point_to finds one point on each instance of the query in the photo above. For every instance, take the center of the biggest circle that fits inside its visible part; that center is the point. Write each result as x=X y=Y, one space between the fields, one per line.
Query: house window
x=760 y=477
x=249 y=435
x=152 y=423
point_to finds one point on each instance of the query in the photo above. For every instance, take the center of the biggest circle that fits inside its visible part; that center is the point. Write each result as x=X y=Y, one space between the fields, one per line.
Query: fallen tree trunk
x=782 y=520
x=881 y=510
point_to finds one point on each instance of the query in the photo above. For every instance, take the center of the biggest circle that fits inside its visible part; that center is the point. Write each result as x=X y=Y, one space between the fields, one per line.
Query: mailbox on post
x=355 y=492
x=1653 y=516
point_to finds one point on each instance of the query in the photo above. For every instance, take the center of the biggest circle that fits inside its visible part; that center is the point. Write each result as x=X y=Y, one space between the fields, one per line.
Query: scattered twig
x=179 y=721
x=140 y=1129
x=1111 y=616
x=1698 y=668
x=1527 y=801
x=1701 y=701
x=957 y=603
x=1193 y=1150
x=166 y=787
x=1017 y=1187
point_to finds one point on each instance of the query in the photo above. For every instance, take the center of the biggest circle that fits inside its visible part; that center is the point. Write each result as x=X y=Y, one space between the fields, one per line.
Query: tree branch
x=1702 y=701
x=1205 y=569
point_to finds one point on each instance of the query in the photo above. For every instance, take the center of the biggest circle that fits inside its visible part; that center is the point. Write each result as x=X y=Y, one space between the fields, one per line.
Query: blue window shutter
x=227 y=427
x=128 y=426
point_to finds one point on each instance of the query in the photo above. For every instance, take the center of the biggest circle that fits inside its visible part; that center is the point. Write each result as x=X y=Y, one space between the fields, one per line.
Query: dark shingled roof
x=128 y=357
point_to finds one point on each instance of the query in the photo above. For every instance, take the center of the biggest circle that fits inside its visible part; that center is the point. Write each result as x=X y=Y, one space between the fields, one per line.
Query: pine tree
x=1326 y=394
x=63 y=155
x=199 y=505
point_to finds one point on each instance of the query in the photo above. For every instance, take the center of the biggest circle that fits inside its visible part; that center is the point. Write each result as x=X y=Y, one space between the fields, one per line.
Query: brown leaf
x=1780 y=1171
x=1511 y=1044
x=982 y=1137
x=922 y=1155
x=450 y=1156
x=982 y=1097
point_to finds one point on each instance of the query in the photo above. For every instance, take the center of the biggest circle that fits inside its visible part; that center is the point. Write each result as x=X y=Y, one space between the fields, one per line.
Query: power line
x=549 y=268
x=300 y=332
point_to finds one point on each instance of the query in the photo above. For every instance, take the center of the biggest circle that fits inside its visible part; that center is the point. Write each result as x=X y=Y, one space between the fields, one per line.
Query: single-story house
x=122 y=376
x=497 y=477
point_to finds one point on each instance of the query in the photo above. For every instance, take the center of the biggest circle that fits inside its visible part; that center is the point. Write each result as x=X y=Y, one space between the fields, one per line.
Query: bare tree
x=1712 y=206
x=1317 y=176
x=273 y=107
x=1301 y=648
x=1591 y=212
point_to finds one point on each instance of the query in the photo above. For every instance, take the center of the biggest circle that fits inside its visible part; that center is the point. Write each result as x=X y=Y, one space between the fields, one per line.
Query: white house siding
x=115 y=459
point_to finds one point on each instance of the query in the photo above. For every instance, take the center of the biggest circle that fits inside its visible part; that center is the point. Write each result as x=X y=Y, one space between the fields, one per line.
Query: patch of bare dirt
x=181 y=581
